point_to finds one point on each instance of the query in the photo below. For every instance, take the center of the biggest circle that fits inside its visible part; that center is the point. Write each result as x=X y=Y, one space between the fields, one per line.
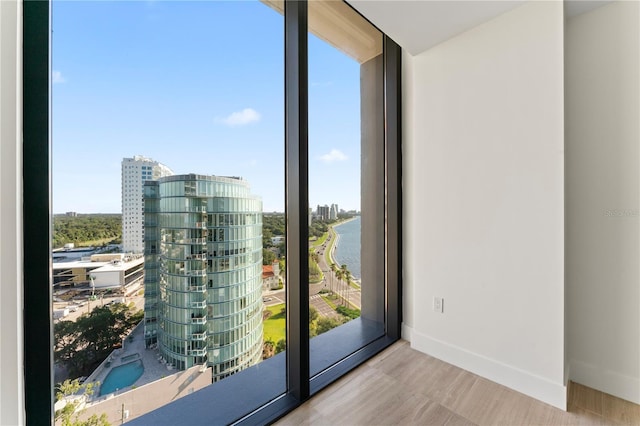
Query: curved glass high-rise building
x=203 y=264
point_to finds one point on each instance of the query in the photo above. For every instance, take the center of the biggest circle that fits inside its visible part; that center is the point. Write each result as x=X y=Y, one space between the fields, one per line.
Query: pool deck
x=154 y=368
x=157 y=386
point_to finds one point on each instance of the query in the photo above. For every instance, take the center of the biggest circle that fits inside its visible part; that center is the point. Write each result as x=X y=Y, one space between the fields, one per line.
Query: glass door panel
x=346 y=183
x=168 y=200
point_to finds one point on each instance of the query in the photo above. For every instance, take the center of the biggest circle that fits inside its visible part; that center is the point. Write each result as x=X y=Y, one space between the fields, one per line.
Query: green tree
x=340 y=275
x=268 y=257
x=313 y=314
x=334 y=268
x=94 y=420
x=315 y=274
x=318 y=227
x=348 y=312
x=281 y=346
x=325 y=324
x=85 y=228
x=268 y=349
x=74 y=393
x=345 y=275
x=83 y=344
x=272 y=224
x=266 y=237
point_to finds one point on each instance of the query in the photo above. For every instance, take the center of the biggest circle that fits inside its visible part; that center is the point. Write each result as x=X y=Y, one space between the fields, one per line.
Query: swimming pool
x=122 y=376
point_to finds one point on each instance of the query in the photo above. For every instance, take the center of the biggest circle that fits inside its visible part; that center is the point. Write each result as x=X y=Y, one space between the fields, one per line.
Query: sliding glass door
x=346 y=183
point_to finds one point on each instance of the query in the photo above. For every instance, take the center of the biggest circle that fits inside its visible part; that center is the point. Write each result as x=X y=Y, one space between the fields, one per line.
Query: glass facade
x=203 y=265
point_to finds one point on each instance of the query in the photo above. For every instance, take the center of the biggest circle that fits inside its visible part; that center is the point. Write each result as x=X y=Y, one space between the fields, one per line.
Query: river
x=348 y=248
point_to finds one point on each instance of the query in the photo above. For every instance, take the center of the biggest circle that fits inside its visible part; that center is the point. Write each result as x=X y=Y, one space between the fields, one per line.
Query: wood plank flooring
x=402 y=386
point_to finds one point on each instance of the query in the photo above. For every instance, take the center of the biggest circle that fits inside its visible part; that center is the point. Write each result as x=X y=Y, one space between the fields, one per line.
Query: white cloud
x=241 y=118
x=333 y=155
x=56 y=77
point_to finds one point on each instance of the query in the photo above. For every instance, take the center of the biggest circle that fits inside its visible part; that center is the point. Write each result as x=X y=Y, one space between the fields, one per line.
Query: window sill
x=263 y=386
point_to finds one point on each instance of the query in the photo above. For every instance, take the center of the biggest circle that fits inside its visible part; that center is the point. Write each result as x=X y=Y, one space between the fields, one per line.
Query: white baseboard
x=406 y=332
x=606 y=381
x=522 y=381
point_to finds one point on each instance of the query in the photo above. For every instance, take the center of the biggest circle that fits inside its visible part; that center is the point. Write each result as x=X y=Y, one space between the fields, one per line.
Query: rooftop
x=99 y=266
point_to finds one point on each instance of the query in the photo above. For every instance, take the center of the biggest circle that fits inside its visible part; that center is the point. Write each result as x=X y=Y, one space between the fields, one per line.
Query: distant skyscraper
x=203 y=272
x=333 y=212
x=323 y=212
x=135 y=172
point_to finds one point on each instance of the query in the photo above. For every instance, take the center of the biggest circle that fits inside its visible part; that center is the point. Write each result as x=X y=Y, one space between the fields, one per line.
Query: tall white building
x=135 y=171
x=323 y=212
x=333 y=212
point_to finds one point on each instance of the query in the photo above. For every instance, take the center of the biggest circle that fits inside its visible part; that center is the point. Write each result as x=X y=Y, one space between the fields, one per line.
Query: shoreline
x=334 y=240
x=344 y=221
x=334 y=244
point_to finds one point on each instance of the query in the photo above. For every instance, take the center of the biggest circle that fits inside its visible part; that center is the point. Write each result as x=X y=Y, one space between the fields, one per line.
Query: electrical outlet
x=438 y=304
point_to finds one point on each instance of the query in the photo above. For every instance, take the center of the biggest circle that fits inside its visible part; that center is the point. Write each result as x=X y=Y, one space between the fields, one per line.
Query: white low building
x=107 y=271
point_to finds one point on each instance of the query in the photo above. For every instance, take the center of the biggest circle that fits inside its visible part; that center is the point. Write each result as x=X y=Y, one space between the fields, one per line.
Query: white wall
x=108 y=278
x=11 y=372
x=603 y=188
x=484 y=182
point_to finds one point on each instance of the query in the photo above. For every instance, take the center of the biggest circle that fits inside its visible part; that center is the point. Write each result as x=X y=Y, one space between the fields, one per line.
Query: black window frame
x=37 y=219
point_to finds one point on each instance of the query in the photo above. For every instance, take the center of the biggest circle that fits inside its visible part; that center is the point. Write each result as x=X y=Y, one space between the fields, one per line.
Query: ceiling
x=422 y=24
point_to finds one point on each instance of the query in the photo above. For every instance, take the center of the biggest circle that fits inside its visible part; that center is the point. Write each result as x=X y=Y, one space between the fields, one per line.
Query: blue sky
x=199 y=87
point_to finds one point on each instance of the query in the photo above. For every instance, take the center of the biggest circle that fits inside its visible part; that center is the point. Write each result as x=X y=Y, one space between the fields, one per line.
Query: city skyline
x=134 y=78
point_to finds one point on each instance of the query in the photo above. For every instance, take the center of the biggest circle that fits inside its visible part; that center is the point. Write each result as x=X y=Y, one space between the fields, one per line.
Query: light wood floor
x=402 y=386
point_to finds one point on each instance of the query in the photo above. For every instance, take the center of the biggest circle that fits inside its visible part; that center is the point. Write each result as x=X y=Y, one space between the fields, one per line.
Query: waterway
x=348 y=249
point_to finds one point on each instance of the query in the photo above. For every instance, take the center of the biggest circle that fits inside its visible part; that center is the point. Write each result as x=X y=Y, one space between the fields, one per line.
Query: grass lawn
x=329 y=301
x=320 y=241
x=327 y=252
x=329 y=249
x=315 y=274
x=274 y=326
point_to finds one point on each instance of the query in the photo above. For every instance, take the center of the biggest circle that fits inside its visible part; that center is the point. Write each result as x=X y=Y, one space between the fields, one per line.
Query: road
x=274 y=297
x=340 y=287
x=323 y=308
x=89 y=305
x=277 y=297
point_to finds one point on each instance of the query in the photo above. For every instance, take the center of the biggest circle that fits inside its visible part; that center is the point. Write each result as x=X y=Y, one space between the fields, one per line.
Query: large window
x=346 y=182
x=264 y=216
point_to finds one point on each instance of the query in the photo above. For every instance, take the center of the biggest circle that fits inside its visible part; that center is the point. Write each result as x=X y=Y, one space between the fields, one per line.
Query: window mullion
x=393 y=188
x=37 y=287
x=297 y=197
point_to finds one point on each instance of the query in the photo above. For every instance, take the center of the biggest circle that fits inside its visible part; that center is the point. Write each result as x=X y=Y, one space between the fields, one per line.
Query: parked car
x=60 y=313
